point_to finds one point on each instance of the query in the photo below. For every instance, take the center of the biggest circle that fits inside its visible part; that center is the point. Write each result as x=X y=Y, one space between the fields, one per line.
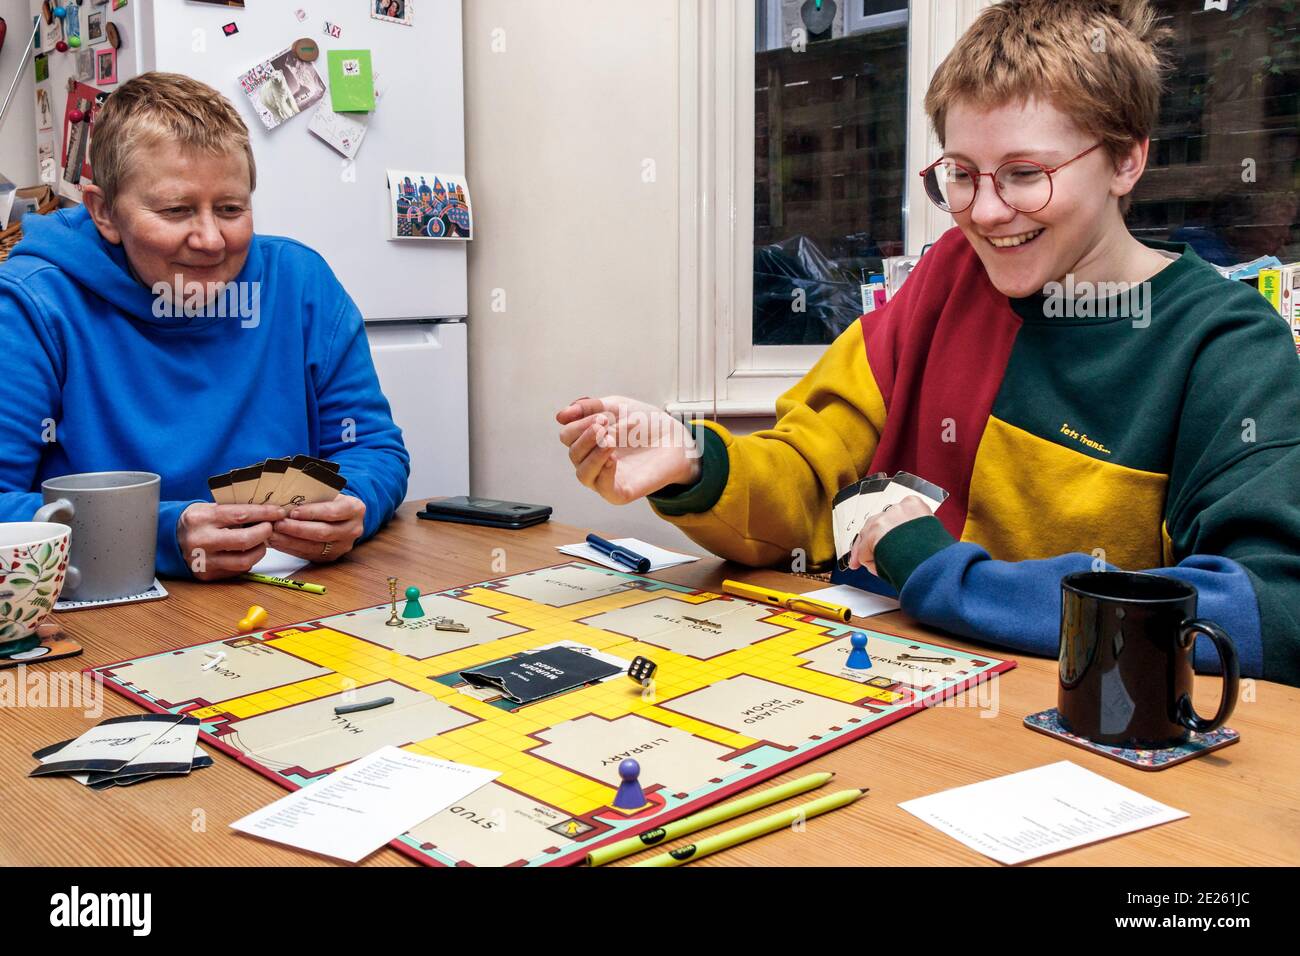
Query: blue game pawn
x=630 y=795
x=859 y=660
x=413 y=608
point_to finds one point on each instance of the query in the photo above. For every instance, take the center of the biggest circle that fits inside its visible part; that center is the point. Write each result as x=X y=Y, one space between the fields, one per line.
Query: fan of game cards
x=300 y=480
x=861 y=501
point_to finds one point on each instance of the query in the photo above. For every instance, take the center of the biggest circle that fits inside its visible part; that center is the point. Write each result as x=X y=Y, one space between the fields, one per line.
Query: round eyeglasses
x=1024 y=185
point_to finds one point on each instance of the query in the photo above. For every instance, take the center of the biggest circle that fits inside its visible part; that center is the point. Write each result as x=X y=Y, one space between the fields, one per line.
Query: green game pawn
x=413 y=608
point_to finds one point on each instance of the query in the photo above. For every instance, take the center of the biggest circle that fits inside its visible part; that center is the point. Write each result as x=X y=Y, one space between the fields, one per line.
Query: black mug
x=1126 y=660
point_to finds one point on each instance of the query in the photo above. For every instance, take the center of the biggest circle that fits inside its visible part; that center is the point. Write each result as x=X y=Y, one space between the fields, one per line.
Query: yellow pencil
x=284 y=582
x=707 y=818
x=752 y=831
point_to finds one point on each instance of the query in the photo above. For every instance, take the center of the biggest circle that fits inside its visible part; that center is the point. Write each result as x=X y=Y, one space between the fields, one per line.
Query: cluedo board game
x=742 y=692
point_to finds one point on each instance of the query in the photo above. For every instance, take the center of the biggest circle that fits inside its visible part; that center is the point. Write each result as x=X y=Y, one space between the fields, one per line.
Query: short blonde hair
x=163 y=108
x=1102 y=62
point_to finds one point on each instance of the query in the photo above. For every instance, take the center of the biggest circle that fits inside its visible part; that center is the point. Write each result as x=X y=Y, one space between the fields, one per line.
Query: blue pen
x=629 y=559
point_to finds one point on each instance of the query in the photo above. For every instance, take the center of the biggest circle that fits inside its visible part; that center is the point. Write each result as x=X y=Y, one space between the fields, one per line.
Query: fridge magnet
x=342 y=132
x=428 y=206
x=282 y=87
x=301 y=14
x=72 y=24
x=114 y=36
x=223 y=3
x=38 y=33
x=118 y=4
x=333 y=30
x=78 y=124
x=44 y=109
x=42 y=64
x=105 y=66
x=393 y=11
x=352 y=83
x=95 y=28
x=47 y=167
x=305 y=49
x=47 y=11
x=86 y=66
x=53 y=30
x=230 y=29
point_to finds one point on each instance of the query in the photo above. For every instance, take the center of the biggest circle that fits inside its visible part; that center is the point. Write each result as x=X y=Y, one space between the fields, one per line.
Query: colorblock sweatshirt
x=1167 y=442
x=92 y=380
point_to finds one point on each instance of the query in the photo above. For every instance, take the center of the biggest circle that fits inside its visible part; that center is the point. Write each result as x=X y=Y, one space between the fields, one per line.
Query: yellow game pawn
x=256 y=617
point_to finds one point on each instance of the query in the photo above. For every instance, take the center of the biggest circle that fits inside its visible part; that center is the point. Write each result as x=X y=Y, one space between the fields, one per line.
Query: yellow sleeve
x=781 y=481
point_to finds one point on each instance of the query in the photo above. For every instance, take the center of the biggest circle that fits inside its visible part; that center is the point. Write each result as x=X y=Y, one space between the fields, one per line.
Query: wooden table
x=1243 y=800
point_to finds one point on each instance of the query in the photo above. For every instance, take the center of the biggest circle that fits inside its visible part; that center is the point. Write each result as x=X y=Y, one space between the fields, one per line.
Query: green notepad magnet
x=352 y=84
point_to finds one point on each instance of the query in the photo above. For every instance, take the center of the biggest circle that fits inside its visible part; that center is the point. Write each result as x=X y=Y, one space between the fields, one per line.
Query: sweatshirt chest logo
x=1083 y=438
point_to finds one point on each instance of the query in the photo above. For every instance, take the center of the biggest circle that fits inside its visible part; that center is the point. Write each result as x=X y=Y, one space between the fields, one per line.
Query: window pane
x=830 y=147
x=1224 y=166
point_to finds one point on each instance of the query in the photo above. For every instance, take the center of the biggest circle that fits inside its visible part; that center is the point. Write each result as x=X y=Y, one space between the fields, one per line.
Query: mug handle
x=1186 y=712
x=60 y=511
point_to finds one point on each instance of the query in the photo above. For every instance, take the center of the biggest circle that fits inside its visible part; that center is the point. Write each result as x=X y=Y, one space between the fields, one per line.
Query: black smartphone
x=486 y=511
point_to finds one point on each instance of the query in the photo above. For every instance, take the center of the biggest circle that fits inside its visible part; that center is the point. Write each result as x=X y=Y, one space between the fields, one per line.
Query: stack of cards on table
x=861 y=501
x=300 y=480
x=122 y=751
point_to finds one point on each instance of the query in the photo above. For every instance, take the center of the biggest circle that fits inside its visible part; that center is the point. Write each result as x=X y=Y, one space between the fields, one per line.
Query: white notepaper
x=356 y=810
x=1025 y=815
x=660 y=558
x=861 y=603
x=277 y=564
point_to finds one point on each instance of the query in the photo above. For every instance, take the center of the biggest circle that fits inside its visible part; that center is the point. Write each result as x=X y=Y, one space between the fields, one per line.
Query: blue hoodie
x=82 y=347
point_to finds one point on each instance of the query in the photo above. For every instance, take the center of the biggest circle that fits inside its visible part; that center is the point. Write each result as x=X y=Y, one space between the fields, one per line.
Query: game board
x=743 y=692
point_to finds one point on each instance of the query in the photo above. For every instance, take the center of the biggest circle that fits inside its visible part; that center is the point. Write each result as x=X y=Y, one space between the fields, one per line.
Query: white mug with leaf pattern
x=33 y=570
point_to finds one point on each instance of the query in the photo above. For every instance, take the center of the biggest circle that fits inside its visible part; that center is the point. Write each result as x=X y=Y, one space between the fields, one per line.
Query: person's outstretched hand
x=625 y=449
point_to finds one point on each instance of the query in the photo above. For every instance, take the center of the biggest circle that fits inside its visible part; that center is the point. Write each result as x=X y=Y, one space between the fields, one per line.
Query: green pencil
x=706 y=818
x=751 y=831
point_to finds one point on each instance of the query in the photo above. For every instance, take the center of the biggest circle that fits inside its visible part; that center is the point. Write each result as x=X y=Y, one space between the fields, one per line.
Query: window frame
x=720 y=371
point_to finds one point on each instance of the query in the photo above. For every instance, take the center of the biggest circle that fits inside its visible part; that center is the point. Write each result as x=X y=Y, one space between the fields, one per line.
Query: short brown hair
x=1100 y=61
x=165 y=108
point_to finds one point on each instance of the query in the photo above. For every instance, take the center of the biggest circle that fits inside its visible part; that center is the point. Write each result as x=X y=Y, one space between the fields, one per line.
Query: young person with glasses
x=1088 y=400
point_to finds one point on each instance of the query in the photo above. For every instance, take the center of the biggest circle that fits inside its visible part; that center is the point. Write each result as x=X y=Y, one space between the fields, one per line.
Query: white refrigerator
x=412 y=293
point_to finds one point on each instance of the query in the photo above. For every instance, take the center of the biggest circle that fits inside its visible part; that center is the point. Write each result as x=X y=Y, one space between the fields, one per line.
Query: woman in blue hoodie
x=152 y=330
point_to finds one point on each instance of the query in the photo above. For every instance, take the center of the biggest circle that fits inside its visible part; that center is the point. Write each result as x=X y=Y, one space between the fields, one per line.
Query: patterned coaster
x=155 y=592
x=50 y=649
x=1049 y=722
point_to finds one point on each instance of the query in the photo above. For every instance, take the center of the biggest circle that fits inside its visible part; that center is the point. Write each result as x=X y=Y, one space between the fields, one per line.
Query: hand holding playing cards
x=229 y=539
x=864 y=548
x=320 y=532
x=625 y=449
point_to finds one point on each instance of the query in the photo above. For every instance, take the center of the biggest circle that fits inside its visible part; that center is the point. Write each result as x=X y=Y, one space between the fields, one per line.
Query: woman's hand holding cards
x=221 y=541
x=864 y=548
x=320 y=532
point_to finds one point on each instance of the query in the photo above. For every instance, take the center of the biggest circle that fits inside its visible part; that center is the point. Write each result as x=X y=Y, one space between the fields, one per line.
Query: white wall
x=558 y=128
x=18 y=131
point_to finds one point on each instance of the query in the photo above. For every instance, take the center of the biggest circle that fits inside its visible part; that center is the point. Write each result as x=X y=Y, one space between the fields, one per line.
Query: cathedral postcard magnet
x=428 y=206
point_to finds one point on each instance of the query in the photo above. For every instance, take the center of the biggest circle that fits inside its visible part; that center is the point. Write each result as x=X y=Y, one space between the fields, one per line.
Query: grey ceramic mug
x=114 y=521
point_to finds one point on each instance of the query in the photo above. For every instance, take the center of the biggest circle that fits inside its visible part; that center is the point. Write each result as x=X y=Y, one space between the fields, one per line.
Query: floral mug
x=33 y=569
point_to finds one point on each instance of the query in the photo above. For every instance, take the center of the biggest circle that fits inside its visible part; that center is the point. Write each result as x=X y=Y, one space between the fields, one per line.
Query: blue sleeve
x=356 y=427
x=30 y=396
x=1017 y=604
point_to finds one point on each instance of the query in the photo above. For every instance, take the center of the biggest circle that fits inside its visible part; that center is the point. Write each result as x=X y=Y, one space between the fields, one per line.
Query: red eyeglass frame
x=976 y=175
